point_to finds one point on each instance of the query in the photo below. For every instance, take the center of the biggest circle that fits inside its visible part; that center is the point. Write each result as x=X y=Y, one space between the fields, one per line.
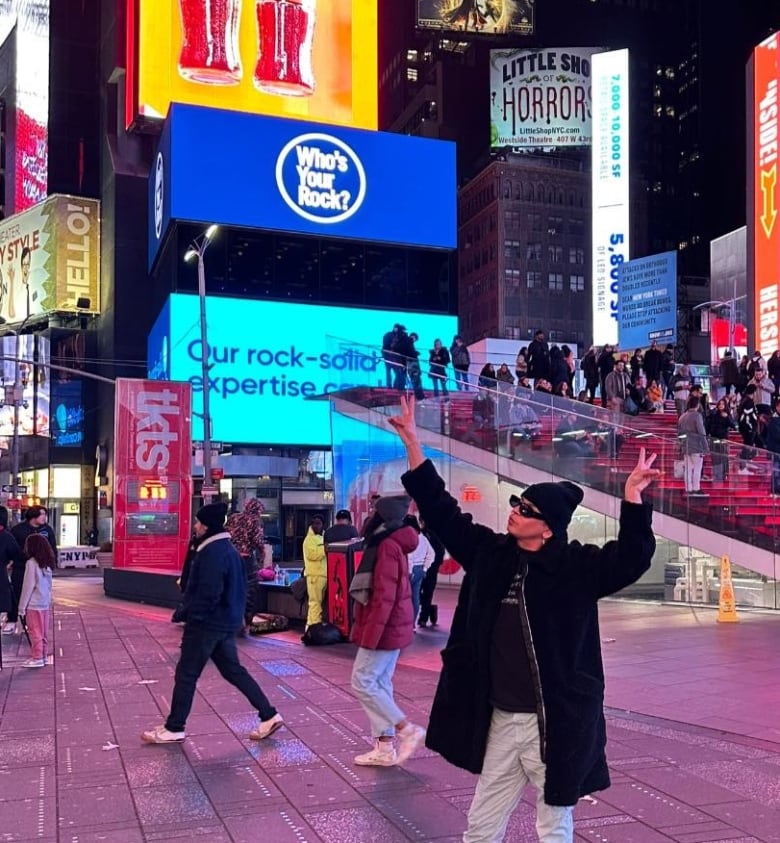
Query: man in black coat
x=538 y=357
x=653 y=359
x=521 y=694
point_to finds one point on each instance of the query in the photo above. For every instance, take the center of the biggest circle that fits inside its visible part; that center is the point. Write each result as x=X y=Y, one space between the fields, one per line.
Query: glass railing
x=517 y=433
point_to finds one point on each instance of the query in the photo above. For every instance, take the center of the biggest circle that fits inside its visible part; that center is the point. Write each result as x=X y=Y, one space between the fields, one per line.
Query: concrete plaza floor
x=693 y=719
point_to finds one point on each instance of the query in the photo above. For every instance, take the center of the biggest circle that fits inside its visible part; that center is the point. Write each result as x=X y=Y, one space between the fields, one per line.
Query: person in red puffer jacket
x=382 y=628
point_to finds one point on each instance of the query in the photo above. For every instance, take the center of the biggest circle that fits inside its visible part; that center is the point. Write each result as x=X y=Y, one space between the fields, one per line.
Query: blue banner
x=648 y=301
x=276 y=174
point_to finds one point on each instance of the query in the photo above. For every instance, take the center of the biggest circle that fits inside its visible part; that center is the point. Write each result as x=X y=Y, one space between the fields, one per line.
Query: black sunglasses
x=522 y=507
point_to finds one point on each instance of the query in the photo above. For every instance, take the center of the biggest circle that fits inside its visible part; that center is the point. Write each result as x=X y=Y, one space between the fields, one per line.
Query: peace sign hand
x=641 y=477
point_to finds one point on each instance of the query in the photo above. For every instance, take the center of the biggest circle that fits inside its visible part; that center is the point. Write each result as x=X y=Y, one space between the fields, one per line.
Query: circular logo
x=159 y=172
x=321 y=178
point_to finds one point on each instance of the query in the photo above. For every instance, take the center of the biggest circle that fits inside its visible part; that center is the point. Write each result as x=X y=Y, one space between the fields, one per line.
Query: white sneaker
x=34 y=663
x=409 y=738
x=267 y=728
x=382 y=755
x=9 y=629
x=744 y=472
x=161 y=735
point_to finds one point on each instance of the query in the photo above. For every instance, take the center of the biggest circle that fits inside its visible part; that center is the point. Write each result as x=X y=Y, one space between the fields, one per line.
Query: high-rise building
x=687 y=100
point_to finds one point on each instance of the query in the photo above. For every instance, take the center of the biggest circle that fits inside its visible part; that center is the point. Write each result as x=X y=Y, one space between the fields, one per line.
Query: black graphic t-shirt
x=510 y=670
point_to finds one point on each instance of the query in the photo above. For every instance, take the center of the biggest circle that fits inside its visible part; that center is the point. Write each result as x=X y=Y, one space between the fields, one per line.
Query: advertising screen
x=648 y=301
x=268 y=357
x=766 y=196
x=335 y=182
x=540 y=98
x=29 y=141
x=313 y=60
x=67 y=417
x=477 y=17
x=50 y=258
x=18 y=361
x=152 y=473
x=610 y=179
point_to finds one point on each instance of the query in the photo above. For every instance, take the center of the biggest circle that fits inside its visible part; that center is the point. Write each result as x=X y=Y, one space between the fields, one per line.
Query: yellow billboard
x=306 y=59
x=50 y=259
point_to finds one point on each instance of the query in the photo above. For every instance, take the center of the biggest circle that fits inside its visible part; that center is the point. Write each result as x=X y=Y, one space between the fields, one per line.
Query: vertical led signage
x=29 y=19
x=765 y=229
x=610 y=189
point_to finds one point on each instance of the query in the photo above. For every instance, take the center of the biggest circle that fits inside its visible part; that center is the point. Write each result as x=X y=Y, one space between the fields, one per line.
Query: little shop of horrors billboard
x=541 y=98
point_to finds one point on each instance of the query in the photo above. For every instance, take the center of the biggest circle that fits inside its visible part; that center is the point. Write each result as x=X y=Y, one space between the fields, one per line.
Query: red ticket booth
x=343 y=559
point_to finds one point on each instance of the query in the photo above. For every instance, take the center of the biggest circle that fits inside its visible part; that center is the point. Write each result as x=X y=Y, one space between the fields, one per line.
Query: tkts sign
x=152 y=473
x=765 y=229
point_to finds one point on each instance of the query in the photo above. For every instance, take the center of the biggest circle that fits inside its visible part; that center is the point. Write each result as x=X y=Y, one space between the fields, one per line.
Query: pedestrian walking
x=521 y=694
x=382 y=628
x=420 y=559
x=212 y=610
x=35 y=599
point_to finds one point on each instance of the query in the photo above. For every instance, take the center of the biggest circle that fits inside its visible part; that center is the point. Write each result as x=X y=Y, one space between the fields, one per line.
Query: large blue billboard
x=266 y=358
x=647 y=307
x=246 y=170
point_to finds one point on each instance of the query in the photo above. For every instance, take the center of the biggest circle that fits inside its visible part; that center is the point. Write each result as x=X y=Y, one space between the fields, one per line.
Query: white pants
x=693 y=466
x=513 y=759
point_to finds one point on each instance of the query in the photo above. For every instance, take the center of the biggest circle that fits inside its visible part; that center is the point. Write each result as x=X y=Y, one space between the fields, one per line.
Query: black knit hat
x=393 y=507
x=556 y=502
x=212 y=516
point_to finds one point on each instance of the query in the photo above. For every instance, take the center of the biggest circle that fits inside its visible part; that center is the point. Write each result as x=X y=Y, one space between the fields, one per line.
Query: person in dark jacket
x=439 y=359
x=395 y=366
x=652 y=363
x=606 y=363
x=521 y=693
x=590 y=368
x=559 y=369
x=461 y=360
x=343 y=530
x=539 y=357
x=10 y=555
x=719 y=423
x=212 y=611
x=429 y=611
x=383 y=627
x=729 y=372
x=246 y=533
x=35 y=519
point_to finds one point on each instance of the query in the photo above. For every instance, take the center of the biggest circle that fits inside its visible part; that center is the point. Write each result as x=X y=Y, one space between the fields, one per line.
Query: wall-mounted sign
x=259 y=382
x=50 y=258
x=610 y=194
x=541 y=98
x=313 y=60
x=347 y=183
x=648 y=301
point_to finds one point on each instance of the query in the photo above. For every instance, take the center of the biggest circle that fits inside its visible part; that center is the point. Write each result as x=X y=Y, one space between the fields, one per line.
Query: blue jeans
x=462 y=379
x=416 y=578
x=197 y=647
x=372 y=682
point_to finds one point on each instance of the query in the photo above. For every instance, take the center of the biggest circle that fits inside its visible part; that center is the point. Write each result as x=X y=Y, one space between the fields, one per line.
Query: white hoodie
x=36 y=589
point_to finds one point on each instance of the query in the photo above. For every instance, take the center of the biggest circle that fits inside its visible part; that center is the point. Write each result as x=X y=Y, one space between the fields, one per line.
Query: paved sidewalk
x=694 y=729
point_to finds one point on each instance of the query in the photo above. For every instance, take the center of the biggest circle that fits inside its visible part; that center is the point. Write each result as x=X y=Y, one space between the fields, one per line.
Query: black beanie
x=212 y=516
x=392 y=508
x=556 y=502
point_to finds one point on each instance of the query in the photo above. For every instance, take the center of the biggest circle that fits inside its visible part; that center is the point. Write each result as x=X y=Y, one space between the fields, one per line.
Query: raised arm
x=438 y=508
x=620 y=563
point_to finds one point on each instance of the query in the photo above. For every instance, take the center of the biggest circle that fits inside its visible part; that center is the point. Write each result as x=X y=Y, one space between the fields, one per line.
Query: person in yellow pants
x=315 y=569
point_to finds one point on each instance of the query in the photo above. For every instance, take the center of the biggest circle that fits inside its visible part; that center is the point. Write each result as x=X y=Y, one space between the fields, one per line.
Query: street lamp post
x=197 y=251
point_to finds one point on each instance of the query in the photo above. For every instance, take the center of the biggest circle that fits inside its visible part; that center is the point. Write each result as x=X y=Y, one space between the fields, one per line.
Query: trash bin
x=343 y=558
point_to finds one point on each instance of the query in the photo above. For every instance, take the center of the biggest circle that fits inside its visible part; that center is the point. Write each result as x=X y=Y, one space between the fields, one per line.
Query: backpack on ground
x=321 y=635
